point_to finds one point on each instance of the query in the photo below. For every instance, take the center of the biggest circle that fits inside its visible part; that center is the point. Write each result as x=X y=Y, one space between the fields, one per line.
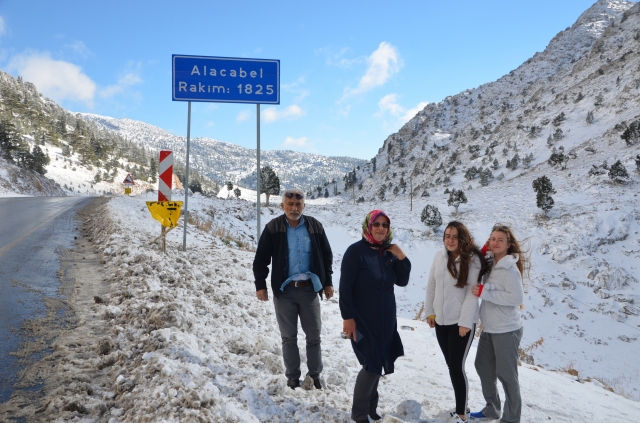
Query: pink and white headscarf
x=367 y=226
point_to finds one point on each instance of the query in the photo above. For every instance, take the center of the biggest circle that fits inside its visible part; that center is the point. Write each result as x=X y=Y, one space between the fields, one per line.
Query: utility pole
x=411 y=192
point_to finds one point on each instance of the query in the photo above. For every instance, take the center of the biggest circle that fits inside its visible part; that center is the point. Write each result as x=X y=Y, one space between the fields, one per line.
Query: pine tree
x=558 y=158
x=558 y=119
x=511 y=164
x=631 y=135
x=237 y=192
x=527 y=160
x=618 y=173
x=269 y=182
x=495 y=164
x=153 y=171
x=485 y=177
x=37 y=160
x=456 y=197
x=431 y=216
x=230 y=187
x=637 y=159
x=471 y=173
x=544 y=189
x=9 y=140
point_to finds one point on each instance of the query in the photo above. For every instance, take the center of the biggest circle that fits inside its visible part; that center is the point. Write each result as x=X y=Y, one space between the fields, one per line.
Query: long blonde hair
x=524 y=261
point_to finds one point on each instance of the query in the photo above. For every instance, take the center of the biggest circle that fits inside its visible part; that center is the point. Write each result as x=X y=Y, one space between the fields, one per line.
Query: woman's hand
x=349 y=328
x=431 y=321
x=463 y=331
x=397 y=251
x=476 y=290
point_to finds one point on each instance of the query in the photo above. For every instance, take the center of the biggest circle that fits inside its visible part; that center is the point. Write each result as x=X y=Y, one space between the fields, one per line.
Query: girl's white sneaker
x=455 y=418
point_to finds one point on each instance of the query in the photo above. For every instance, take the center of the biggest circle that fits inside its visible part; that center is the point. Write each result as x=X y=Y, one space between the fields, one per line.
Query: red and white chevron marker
x=165 y=169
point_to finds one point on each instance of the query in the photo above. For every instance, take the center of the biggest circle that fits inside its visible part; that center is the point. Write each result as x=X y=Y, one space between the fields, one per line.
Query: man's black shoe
x=316 y=383
x=375 y=416
x=293 y=383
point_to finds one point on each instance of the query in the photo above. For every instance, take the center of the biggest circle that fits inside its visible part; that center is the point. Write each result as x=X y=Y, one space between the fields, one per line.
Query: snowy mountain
x=588 y=70
x=222 y=161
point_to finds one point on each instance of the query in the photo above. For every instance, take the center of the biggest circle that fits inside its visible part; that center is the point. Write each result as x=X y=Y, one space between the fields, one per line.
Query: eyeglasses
x=377 y=225
x=291 y=194
x=500 y=226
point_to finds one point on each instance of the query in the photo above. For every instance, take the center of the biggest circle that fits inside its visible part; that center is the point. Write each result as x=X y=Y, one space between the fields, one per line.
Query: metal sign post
x=186 y=182
x=224 y=80
x=258 y=171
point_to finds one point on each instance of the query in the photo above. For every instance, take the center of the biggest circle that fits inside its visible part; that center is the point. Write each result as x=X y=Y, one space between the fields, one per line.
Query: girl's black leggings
x=455 y=349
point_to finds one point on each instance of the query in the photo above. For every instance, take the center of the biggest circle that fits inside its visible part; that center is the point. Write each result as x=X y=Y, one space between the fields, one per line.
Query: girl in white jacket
x=497 y=356
x=451 y=307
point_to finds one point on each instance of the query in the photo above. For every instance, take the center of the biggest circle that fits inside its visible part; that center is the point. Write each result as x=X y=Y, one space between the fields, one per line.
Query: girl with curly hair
x=502 y=295
x=452 y=308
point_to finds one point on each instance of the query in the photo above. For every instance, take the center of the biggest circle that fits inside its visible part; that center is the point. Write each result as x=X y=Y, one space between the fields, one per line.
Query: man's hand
x=328 y=292
x=397 y=251
x=262 y=295
x=462 y=331
x=349 y=328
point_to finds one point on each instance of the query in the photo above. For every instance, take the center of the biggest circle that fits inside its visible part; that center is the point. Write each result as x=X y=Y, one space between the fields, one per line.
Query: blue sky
x=352 y=72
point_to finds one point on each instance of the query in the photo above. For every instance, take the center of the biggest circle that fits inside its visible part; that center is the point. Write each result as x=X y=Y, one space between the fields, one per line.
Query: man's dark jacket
x=273 y=246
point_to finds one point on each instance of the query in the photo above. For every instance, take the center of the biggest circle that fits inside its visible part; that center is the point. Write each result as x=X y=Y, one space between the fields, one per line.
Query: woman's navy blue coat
x=366 y=295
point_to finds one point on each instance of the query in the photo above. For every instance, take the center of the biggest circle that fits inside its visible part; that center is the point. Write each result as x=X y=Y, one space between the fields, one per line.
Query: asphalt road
x=33 y=230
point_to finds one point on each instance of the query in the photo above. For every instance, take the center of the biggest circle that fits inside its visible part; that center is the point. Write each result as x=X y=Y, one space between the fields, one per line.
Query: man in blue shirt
x=298 y=250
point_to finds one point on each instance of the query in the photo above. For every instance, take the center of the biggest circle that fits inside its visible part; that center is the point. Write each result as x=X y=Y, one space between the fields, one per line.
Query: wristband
x=433 y=316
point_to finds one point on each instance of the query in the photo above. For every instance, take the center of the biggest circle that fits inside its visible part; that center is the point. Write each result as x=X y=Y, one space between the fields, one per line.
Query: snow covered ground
x=188 y=340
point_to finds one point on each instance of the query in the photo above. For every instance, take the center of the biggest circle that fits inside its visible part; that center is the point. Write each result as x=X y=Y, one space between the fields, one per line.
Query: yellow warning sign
x=127 y=191
x=165 y=212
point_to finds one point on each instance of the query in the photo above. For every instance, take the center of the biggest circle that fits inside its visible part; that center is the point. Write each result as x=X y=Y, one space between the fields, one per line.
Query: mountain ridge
x=224 y=161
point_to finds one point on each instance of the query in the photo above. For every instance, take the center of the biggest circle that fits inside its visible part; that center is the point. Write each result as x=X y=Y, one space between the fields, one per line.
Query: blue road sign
x=226 y=79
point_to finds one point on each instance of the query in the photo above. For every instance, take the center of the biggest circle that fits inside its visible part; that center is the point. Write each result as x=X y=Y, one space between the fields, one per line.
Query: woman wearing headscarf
x=370 y=269
x=451 y=307
x=502 y=295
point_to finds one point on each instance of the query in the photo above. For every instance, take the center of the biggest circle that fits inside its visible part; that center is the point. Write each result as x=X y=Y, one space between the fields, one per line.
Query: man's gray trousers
x=497 y=358
x=302 y=302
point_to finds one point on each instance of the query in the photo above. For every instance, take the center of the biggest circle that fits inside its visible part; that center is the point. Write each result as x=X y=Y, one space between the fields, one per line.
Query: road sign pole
x=258 y=171
x=186 y=181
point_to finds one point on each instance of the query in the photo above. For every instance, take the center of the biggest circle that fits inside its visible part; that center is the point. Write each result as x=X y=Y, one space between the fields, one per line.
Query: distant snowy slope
x=224 y=161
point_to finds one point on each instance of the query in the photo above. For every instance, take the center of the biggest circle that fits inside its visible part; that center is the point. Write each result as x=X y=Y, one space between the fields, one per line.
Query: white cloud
x=389 y=104
x=410 y=114
x=80 y=49
x=336 y=58
x=129 y=77
x=273 y=114
x=296 y=142
x=383 y=64
x=243 y=115
x=57 y=79
x=295 y=88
